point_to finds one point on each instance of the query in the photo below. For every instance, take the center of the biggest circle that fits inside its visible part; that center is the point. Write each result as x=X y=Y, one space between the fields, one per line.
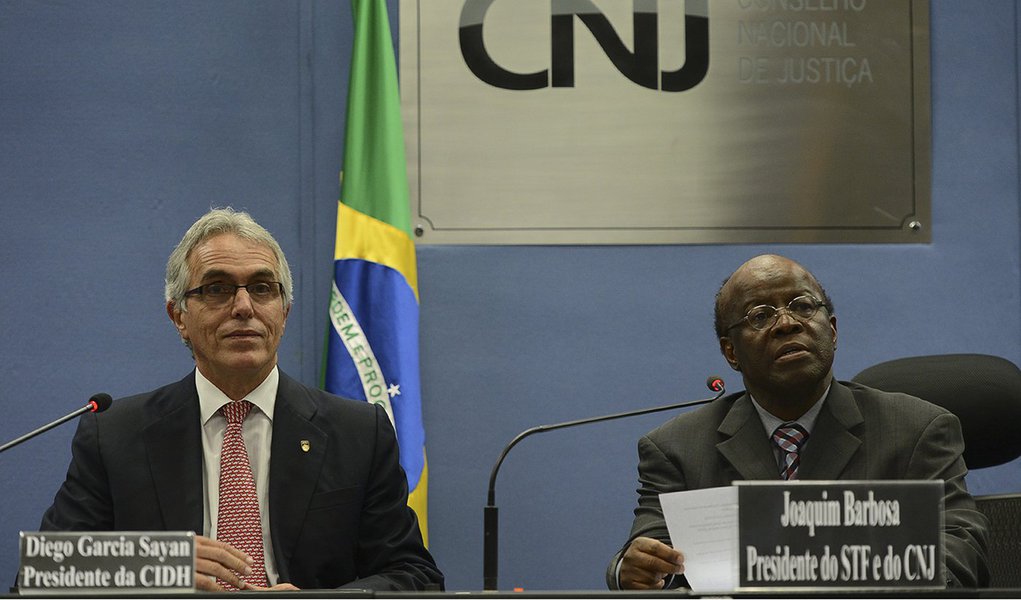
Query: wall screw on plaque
x=915 y=226
x=419 y=231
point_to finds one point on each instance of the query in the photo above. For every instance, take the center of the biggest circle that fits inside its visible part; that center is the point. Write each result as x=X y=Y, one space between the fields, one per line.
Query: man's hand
x=280 y=587
x=217 y=560
x=646 y=562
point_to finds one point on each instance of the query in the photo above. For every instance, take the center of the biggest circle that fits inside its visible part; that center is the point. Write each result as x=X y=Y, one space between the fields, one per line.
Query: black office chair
x=1004 y=557
x=985 y=394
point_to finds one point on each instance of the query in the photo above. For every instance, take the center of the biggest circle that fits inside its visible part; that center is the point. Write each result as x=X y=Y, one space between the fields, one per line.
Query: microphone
x=491 y=521
x=97 y=403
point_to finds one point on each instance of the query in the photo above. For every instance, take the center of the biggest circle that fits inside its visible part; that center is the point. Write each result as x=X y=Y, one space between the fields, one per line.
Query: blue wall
x=122 y=121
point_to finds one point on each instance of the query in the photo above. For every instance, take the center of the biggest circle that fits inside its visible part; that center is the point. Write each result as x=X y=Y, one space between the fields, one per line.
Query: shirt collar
x=807 y=420
x=211 y=399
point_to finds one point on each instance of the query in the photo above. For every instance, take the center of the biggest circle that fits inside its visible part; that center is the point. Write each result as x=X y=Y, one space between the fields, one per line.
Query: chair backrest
x=1004 y=552
x=983 y=391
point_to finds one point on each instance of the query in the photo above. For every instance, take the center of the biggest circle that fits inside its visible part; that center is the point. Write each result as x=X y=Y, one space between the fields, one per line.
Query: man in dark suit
x=776 y=326
x=331 y=496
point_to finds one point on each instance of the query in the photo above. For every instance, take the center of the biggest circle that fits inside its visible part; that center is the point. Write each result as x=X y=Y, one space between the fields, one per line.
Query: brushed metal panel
x=811 y=122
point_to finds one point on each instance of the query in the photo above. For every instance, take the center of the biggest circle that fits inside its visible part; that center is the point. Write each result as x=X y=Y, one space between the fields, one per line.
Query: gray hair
x=216 y=222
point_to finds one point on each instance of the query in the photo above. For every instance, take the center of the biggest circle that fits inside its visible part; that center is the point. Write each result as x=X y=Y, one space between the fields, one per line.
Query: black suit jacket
x=860 y=433
x=338 y=513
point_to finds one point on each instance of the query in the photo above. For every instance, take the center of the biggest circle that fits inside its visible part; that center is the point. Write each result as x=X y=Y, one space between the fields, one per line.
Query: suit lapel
x=747 y=449
x=832 y=444
x=296 y=458
x=173 y=443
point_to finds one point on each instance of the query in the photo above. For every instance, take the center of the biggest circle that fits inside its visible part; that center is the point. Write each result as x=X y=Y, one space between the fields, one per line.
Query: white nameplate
x=54 y=562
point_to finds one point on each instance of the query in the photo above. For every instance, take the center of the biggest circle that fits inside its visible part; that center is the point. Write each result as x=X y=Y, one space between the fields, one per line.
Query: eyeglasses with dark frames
x=220 y=294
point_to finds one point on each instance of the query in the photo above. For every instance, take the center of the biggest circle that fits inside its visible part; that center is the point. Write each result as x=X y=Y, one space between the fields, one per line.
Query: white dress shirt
x=258 y=434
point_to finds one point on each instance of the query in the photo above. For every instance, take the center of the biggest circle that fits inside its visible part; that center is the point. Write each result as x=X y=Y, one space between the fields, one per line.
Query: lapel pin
x=305 y=446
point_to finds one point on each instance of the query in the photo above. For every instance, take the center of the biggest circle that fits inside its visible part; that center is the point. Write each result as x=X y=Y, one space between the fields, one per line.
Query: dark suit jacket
x=338 y=513
x=860 y=433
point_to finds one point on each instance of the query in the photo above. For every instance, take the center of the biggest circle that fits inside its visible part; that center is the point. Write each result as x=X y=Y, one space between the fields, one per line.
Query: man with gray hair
x=287 y=487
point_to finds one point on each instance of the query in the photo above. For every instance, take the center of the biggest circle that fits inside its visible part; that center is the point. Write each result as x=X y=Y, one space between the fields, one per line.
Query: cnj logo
x=640 y=65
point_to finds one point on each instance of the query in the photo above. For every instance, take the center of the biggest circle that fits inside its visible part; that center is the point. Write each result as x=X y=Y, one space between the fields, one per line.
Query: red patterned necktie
x=789 y=437
x=238 y=522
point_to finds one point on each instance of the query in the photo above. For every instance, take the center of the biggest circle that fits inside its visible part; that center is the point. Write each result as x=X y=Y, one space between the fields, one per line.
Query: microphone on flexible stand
x=97 y=403
x=491 y=521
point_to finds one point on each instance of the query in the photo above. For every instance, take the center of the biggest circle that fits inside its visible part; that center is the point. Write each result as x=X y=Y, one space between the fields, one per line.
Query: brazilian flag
x=372 y=351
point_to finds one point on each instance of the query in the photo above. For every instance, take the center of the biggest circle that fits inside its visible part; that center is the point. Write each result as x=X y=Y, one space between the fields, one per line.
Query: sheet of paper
x=703 y=525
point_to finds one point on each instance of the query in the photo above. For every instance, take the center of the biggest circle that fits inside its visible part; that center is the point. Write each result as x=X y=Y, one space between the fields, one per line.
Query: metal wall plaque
x=669 y=121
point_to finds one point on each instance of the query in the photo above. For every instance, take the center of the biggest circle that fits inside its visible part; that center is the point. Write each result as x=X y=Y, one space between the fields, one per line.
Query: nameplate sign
x=853 y=535
x=106 y=562
x=878 y=534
